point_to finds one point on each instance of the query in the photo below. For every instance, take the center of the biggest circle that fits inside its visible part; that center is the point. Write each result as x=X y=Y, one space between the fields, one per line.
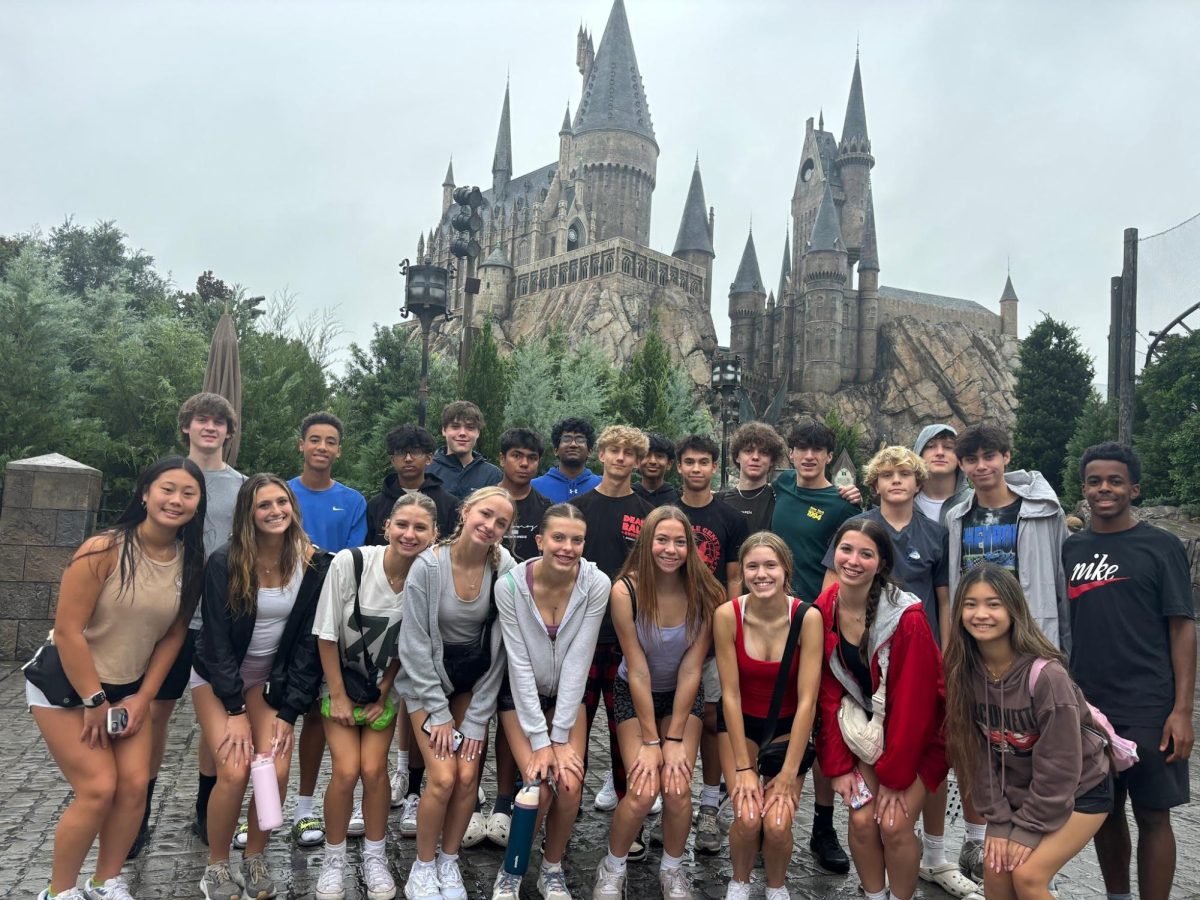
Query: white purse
x=863 y=733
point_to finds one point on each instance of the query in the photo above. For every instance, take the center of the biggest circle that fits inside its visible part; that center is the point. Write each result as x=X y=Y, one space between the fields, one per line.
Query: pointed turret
x=449 y=179
x=748 y=278
x=564 y=148
x=854 y=164
x=747 y=305
x=854 y=129
x=502 y=164
x=827 y=363
x=613 y=96
x=868 y=260
x=785 y=272
x=1010 y=292
x=566 y=125
x=826 y=233
x=868 y=297
x=448 y=187
x=693 y=227
x=1008 y=309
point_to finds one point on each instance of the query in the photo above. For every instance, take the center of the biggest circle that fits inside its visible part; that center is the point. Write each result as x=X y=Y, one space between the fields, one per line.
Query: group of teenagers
x=766 y=632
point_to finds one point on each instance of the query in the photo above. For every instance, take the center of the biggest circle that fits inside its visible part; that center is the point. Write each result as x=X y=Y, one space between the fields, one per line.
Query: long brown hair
x=882 y=582
x=704 y=593
x=964 y=664
x=477 y=496
x=243 y=543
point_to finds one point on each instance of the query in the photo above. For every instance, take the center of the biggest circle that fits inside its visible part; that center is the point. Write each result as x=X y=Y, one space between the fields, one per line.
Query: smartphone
x=457 y=738
x=118 y=719
x=862 y=794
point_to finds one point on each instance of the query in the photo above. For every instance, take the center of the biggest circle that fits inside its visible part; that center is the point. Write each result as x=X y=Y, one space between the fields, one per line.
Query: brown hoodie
x=1042 y=752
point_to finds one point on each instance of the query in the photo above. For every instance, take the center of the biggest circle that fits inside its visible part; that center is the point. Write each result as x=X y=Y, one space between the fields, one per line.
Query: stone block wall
x=49 y=508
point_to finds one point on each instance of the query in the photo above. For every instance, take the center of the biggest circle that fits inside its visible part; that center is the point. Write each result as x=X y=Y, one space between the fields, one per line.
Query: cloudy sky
x=301 y=145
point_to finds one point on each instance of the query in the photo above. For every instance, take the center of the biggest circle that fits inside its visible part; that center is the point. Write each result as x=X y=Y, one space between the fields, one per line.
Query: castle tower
x=564 y=147
x=780 y=344
x=1008 y=309
x=868 y=297
x=502 y=164
x=747 y=303
x=585 y=54
x=448 y=187
x=694 y=242
x=854 y=163
x=495 y=286
x=615 y=137
x=824 y=283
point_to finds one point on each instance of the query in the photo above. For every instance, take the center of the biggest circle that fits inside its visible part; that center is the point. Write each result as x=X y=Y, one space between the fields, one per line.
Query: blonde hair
x=624 y=436
x=484 y=493
x=776 y=545
x=891 y=458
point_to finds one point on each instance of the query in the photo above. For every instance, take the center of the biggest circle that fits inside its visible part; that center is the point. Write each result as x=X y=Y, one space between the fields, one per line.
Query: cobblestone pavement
x=33 y=793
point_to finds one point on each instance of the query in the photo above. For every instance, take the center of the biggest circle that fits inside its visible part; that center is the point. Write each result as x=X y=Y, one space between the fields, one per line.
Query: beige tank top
x=127 y=623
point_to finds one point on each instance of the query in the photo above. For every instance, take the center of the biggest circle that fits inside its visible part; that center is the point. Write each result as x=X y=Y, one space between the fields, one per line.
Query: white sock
x=669 y=861
x=779 y=893
x=710 y=795
x=894 y=896
x=332 y=849
x=934 y=854
x=615 y=863
x=975 y=832
x=421 y=864
x=304 y=808
x=444 y=858
x=373 y=848
x=401 y=760
x=551 y=867
x=876 y=895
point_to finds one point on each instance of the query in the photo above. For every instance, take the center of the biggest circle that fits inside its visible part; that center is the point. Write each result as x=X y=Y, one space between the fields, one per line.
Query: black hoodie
x=380 y=506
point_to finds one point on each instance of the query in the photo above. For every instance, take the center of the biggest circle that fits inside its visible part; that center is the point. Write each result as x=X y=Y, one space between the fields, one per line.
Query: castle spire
x=786 y=271
x=854 y=129
x=449 y=179
x=613 y=96
x=502 y=165
x=566 y=125
x=748 y=278
x=693 y=227
x=869 y=258
x=826 y=233
x=1010 y=292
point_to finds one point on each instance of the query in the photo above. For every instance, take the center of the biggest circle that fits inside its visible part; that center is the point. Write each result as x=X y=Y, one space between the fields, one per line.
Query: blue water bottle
x=520 y=834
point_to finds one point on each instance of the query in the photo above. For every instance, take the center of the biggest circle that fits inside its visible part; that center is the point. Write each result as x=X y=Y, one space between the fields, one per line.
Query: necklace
x=994 y=675
x=267 y=570
x=753 y=496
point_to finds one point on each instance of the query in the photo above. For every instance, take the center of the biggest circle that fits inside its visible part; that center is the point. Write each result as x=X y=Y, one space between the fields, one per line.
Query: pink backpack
x=1123 y=752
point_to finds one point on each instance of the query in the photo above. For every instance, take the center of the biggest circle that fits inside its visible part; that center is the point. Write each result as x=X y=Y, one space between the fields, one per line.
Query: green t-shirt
x=807 y=519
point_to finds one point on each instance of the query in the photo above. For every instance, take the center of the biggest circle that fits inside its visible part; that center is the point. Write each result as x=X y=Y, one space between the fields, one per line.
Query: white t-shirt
x=930 y=507
x=381 y=611
x=274 y=607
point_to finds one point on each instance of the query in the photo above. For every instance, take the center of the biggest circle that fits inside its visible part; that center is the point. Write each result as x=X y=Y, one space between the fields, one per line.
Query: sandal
x=948 y=877
x=240 y=835
x=309 y=832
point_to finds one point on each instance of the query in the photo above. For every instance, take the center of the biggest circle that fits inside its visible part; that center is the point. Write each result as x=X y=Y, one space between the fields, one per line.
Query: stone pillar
x=49 y=508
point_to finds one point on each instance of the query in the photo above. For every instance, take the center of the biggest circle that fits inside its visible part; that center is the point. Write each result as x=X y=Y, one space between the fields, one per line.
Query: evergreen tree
x=485 y=383
x=640 y=398
x=1097 y=423
x=1054 y=381
x=846 y=437
x=1169 y=392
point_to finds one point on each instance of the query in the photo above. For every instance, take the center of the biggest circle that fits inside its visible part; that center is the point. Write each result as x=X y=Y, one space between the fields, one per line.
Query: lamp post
x=467 y=222
x=426 y=290
x=726 y=381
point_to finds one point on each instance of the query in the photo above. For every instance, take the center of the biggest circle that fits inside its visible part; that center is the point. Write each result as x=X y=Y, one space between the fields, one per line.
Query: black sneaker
x=200 y=829
x=637 y=850
x=828 y=851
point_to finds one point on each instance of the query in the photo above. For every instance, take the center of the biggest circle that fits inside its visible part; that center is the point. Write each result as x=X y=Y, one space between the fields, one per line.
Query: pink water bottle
x=266 y=791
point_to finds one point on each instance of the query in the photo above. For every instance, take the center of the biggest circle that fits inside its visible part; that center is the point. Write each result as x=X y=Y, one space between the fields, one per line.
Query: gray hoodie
x=1041 y=530
x=422 y=680
x=962 y=487
x=551 y=668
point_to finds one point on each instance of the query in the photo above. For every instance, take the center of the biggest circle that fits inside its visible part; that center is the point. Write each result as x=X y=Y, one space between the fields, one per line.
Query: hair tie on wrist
x=746 y=769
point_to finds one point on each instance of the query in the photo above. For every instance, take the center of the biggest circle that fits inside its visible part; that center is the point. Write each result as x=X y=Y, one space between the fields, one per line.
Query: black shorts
x=506 y=703
x=1098 y=799
x=756 y=728
x=1151 y=783
x=176 y=681
x=664 y=702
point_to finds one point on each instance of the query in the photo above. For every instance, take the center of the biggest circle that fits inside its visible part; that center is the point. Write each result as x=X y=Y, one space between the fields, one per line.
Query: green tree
x=485 y=382
x=1169 y=392
x=1054 y=381
x=846 y=437
x=212 y=297
x=91 y=258
x=551 y=381
x=640 y=398
x=1097 y=423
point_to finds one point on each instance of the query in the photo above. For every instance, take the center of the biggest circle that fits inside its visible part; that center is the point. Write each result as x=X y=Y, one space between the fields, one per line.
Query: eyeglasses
x=573 y=439
x=409 y=454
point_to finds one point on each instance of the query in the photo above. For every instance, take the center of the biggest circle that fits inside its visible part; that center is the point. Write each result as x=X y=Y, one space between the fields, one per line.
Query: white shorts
x=711 y=680
x=255 y=670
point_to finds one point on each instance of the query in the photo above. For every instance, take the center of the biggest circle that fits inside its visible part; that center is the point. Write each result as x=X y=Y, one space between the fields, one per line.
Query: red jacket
x=914 y=743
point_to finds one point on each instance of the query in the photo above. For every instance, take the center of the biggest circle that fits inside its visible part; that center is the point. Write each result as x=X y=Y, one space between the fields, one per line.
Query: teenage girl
x=865 y=615
x=662 y=605
x=122 y=615
x=1034 y=762
x=344 y=640
x=452 y=663
x=550 y=610
x=256 y=666
x=750 y=633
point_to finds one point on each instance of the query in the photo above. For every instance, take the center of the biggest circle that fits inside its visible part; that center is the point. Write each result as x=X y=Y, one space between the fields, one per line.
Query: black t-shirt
x=528 y=522
x=664 y=495
x=990 y=535
x=613 y=525
x=1122 y=587
x=720 y=530
x=757 y=505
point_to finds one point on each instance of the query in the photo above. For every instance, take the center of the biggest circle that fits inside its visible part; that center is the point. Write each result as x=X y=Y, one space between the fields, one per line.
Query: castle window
x=627 y=265
x=554 y=277
x=662 y=275
x=574 y=274
x=641 y=269
x=542 y=280
x=609 y=265
x=551 y=251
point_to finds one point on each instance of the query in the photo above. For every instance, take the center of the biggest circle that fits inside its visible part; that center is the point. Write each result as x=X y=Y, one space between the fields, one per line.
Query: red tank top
x=757 y=676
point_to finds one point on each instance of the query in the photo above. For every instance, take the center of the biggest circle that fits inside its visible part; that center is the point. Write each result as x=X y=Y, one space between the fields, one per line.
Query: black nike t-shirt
x=613 y=526
x=720 y=530
x=1122 y=588
x=521 y=538
x=756 y=506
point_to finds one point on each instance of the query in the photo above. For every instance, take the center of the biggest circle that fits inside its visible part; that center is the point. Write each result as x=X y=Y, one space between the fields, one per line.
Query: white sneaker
x=498 y=826
x=399 y=787
x=779 y=893
x=113 y=889
x=451 y=880
x=675 y=884
x=69 y=894
x=422 y=882
x=507 y=886
x=380 y=883
x=610 y=885
x=357 y=825
x=656 y=808
x=737 y=890
x=552 y=883
x=475 y=830
x=606 y=797
x=408 y=816
x=331 y=884
x=481 y=795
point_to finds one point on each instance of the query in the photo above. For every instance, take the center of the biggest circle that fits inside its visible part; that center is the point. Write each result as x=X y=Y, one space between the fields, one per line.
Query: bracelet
x=654 y=743
x=677 y=740
x=237 y=712
x=745 y=769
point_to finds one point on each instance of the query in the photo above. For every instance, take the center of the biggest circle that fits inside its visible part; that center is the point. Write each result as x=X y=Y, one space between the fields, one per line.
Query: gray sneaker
x=220 y=882
x=708 y=835
x=610 y=885
x=970 y=860
x=257 y=875
x=408 y=816
x=675 y=883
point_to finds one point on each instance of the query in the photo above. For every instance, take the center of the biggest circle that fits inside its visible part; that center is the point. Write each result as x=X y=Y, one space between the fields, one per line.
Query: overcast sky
x=301 y=145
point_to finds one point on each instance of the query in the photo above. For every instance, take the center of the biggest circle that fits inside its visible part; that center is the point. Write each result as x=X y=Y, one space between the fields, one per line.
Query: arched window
x=627 y=265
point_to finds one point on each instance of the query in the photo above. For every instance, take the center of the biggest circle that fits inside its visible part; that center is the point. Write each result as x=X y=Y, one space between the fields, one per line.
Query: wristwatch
x=97 y=699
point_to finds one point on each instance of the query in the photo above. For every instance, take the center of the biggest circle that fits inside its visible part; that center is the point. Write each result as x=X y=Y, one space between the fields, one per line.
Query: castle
x=567 y=245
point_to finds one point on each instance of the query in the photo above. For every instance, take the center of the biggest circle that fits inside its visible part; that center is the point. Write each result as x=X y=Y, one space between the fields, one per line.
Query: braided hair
x=484 y=493
x=883 y=582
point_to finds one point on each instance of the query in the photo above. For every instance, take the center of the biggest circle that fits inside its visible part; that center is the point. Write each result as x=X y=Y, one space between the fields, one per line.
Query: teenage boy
x=654 y=469
x=758 y=450
x=1013 y=519
x=1134 y=656
x=461 y=468
x=614 y=516
x=334 y=517
x=572 y=439
x=207 y=422
x=410 y=449
x=947 y=485
x=520 y=455
x=720 y=530
x=808 y=512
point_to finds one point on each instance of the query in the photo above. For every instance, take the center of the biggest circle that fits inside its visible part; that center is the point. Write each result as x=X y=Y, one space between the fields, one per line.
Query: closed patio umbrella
x=223 y=376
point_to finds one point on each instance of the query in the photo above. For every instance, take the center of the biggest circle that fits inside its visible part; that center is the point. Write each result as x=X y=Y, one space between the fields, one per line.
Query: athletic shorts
x=506 y=703
x=1151 y=783
x=756 y=733
x=1098 y=799
x=255 y=671
x=664 y=702
x=177 y=678
x=711 y=681
x=114 y=692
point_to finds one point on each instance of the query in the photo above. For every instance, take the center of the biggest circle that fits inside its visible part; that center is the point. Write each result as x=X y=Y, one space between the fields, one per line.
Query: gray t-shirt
x=461 y=621
x=221 y=488
x=930 y=507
